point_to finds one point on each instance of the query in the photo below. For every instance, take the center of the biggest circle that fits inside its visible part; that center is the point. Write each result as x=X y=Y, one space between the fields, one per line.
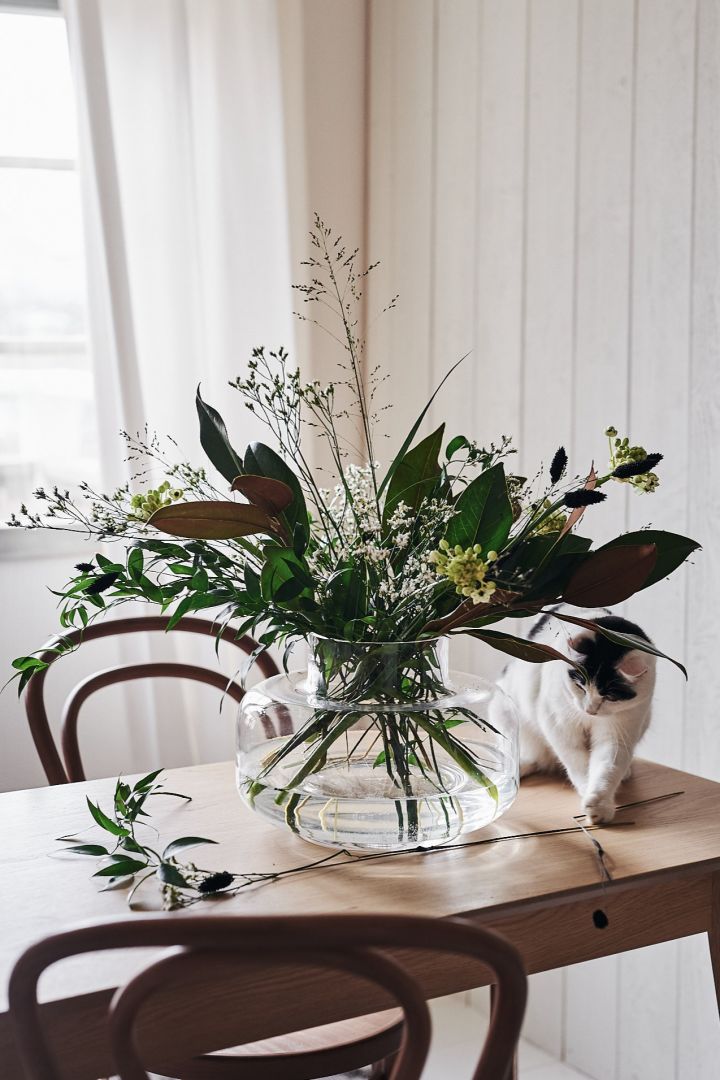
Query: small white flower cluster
x=407 y=532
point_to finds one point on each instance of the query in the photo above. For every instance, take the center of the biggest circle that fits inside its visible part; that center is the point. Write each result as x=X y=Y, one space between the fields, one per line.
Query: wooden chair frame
x=69 y=767
x=351 y=943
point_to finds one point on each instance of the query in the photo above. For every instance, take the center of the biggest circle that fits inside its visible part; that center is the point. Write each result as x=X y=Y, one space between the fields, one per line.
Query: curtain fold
x=186 y=219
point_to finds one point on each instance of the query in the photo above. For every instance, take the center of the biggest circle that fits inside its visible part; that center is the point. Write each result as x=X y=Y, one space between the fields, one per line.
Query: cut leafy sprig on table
x=129 y=861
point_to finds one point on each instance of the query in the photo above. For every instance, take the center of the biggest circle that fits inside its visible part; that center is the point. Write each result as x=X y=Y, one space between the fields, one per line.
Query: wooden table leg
x=714 y=936
x=514 y=1073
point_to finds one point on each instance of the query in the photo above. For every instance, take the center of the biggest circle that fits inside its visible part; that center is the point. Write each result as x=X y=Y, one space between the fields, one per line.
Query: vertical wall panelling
x=400 y=205
x=662 y=217
x=550 y=224
x=549 y=272
x=600 y=366
x=698 y=1031
x=549 y=172
x=456 y=45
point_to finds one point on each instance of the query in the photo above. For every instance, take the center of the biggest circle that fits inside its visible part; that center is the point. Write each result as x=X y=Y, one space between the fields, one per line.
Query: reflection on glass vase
x=377 y=747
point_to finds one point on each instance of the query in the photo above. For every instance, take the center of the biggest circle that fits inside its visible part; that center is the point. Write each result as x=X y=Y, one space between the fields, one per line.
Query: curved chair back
x=348 y=943
x=69 y=768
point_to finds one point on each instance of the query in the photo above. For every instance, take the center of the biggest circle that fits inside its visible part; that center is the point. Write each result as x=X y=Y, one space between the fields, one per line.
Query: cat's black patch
x=601 y=659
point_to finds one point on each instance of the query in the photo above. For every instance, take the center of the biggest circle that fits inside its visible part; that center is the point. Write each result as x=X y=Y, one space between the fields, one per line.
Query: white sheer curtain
x=182 y=155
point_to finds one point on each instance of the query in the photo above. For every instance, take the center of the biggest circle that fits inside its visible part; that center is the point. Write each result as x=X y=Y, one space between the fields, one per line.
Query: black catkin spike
x=637 y=468
x=583 y=497
x=85 y=567
x=558 y=465
x=102 y=583
x=216 y=882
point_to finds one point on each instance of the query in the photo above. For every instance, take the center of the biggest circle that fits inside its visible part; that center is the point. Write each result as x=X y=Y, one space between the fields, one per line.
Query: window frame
x=20 y=543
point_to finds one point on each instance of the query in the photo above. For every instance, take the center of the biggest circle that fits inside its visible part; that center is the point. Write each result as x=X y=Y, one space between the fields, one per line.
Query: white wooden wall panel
x=545 y=188
x=599 y=366
x=698 y=1031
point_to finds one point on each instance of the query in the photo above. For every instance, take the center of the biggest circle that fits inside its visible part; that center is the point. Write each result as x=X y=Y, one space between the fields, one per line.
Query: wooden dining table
x=561 y=894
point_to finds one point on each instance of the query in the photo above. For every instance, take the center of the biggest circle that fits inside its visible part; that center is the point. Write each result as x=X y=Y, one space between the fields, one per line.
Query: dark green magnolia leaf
x=88 y=849
x=416 y=474
x=215 y=442
x=284 y=576
x=610 y=575
x=185 y=842
x=672 y=550
x=484 y=512
x=458 y=443
x=626 y=641
x=104 y=821
x=270 y=495
x=170 y=875
x=416 y=427
x=213 y=520
x=121 y=867
x=534 y=652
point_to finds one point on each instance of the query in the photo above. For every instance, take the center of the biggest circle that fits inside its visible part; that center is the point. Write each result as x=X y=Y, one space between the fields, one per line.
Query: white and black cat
x=589 y=728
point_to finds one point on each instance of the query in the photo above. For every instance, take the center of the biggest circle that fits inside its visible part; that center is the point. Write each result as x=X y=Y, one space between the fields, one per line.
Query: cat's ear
x=632 y=666
x=580 y=643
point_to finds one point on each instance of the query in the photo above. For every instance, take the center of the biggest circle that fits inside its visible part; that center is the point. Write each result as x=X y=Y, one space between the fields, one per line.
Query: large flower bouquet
x=443 y=540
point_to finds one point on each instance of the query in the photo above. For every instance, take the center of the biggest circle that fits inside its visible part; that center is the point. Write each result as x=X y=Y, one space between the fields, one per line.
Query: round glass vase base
x=358 y=808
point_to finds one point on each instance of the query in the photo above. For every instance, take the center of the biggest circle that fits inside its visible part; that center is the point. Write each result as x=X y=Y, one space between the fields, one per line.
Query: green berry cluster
x=144 y=506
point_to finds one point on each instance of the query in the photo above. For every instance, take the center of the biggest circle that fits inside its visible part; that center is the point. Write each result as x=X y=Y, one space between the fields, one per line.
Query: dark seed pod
x=583 y=497
x=558 y=465
x=102 y=583
x=637 y=468
x=216 y=882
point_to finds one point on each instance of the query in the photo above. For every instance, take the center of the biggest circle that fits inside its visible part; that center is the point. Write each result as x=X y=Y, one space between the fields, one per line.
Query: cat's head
x=614 y=677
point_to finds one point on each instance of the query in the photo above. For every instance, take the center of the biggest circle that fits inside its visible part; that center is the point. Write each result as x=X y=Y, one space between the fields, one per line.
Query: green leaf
x=135 y=564
x=610 y=575
x=416 y=473
x=284 y=576
x=416 y=427
x=380 y=759
x=145 y=782
x=185 y=842
x=170 y=875
x=626 y=641
x=88 y=849
x=121 y=867
x=534 y=652
x=207 y=520
x=484 y=512
x=215 y=442
x=672 y=550
x=104 y=821
x=458 y=443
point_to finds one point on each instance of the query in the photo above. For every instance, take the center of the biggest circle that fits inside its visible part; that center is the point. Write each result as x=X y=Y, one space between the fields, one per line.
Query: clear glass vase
x=377 y=747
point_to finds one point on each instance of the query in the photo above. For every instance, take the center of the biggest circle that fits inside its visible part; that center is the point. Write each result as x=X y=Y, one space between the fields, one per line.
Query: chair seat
x=315 y=1052
x=380 y=1025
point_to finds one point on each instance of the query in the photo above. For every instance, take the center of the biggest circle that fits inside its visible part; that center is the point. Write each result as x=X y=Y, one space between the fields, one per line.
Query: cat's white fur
x=564 y=724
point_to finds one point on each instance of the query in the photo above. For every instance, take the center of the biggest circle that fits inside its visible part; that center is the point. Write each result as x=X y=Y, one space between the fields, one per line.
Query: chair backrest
x=348 y=943
x=72 y=769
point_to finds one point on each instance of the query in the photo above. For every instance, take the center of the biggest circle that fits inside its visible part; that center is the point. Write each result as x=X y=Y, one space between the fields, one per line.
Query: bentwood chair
x=69 y=767
x=146 y=1033
x=356 y=1042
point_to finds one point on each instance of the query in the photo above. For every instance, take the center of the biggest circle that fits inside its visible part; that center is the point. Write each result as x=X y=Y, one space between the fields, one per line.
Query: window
x=47 y=410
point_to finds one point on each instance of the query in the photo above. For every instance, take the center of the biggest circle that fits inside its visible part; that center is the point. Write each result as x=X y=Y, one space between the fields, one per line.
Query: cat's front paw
x=598 y=809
